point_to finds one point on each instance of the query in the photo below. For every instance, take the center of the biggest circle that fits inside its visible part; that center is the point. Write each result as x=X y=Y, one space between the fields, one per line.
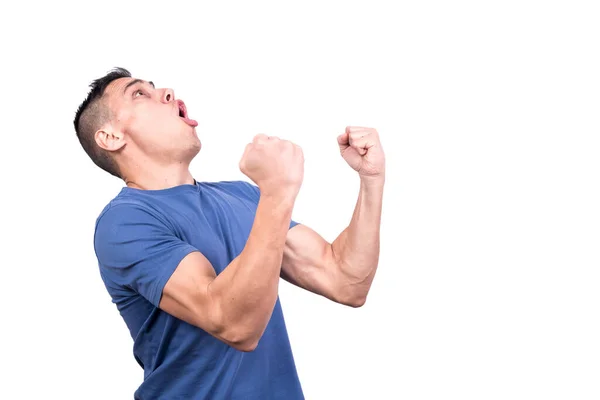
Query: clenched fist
x=361 y=148
x=275 y=165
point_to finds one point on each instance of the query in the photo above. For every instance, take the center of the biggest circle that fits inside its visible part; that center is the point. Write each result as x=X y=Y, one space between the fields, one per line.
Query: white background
x=488 y=285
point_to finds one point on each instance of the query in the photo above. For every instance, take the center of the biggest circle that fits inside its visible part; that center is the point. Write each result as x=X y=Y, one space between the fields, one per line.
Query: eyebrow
x=134 y=82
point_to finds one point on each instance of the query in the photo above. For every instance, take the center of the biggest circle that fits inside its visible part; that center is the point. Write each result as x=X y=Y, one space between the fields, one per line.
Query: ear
x=109 y=139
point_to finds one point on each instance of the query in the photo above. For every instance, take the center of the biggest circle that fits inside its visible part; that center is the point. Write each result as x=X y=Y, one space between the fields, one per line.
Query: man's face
x=152 y=120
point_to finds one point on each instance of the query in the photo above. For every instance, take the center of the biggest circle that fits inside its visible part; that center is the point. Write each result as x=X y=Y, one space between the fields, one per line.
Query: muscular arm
x=341 y=271
x=236 y=305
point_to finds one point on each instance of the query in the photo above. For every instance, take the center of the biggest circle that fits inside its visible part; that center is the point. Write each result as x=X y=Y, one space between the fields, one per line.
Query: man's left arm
x=343 y=270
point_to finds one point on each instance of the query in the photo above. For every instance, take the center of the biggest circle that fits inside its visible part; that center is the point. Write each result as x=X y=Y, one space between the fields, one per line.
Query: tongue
x=190 y=122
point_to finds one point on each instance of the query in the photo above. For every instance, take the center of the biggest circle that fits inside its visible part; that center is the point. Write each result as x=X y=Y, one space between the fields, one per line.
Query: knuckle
x=260 y=137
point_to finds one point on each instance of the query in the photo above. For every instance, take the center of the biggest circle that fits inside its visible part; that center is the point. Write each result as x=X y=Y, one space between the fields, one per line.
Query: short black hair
x=90 y=116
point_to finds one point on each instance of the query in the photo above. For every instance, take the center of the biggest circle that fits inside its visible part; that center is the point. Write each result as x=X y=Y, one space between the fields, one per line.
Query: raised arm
x=343 y=270
x=236 y=305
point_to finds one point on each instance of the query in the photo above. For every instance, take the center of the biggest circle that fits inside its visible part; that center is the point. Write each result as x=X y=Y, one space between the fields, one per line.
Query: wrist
x=278 y=192
x=279 y=200
x=372 y=182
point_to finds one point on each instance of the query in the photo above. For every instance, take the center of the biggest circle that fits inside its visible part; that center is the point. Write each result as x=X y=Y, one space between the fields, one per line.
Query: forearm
x=246 y=291
x=356 y=249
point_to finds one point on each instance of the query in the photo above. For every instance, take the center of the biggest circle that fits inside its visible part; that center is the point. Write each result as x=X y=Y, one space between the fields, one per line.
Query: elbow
x=241 y=339
x=352 y=290
x=247 y=346
x=242 y=335
x=356 y=301
x=353 y=298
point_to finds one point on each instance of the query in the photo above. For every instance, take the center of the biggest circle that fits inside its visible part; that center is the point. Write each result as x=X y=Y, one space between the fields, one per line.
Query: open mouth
x=182 y=109
x=184 y=115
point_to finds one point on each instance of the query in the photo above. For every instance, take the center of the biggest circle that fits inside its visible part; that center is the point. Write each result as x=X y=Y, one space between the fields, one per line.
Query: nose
x=168 y=95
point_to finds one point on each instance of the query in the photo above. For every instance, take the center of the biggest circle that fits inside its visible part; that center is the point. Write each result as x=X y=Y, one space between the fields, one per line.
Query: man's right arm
x=236 y=305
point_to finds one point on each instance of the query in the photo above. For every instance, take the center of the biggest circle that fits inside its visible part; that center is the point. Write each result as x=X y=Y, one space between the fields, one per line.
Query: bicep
x=309 y=262
x=187 y=296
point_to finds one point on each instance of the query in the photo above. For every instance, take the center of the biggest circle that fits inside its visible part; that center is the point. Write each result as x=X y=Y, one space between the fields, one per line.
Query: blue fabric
x=140 y=238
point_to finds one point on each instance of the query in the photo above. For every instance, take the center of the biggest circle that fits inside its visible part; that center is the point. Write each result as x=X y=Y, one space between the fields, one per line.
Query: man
x=193 y=267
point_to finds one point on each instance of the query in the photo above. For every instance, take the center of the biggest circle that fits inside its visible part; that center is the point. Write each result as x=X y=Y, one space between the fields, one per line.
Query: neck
x=157 y=178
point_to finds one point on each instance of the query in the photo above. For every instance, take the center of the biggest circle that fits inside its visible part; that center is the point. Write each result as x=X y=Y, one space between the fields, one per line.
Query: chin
x=194 y=148
x=188 y=144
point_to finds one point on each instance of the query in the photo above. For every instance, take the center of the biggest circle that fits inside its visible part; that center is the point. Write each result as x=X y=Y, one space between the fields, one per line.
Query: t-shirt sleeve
x=137 y=250
x=254 y=193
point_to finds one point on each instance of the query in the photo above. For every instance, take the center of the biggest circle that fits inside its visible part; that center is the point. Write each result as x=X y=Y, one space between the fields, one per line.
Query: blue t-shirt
x=140 y=238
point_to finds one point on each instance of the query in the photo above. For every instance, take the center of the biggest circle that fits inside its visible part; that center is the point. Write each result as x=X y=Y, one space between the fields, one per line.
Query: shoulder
x=122 y=210
x=126 y=219
x=130 y=205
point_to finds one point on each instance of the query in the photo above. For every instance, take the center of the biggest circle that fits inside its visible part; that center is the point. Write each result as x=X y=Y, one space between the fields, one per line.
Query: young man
x=193 y=267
